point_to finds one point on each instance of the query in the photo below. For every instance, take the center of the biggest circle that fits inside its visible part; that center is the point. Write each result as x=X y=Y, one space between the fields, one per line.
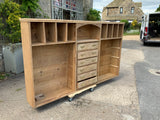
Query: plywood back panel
x=104 y=31
x=61 y=32
x=51 y=32
x=37 y=32
x=88 y=32
x=71 y=32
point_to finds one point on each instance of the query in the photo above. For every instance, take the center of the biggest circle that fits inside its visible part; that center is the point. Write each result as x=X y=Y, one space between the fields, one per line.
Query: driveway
x=116 y=99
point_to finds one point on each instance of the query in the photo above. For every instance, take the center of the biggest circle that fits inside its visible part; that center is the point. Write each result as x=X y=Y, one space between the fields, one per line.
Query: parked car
x=150 y=28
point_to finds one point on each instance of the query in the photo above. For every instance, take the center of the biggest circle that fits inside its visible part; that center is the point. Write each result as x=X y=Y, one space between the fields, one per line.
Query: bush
x=126 y=26
x=93 y=15
x=10 y=13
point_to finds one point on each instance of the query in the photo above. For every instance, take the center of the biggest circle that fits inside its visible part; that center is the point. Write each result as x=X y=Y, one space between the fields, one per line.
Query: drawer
x=88 y=46
x=87 y=83
x=87 y=75
x=87 y=61
x=87 y=68
x=87 y=54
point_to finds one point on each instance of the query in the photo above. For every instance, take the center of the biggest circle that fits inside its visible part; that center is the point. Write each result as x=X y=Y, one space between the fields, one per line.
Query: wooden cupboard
x=62 y=57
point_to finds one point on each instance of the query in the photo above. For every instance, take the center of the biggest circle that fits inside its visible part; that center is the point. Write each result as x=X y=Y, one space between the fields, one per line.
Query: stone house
x=122 y=10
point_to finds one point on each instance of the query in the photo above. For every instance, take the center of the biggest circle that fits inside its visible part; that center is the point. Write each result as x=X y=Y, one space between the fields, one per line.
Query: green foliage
x=93 y=15
x=31 y=8
x=126 y=26
x=135 y=25
x=158 y=9
x=3 y=76
x=10 y=12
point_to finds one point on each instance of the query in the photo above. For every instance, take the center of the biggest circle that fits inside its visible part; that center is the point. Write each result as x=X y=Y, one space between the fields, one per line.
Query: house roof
x=138 y=4
x=115 y=3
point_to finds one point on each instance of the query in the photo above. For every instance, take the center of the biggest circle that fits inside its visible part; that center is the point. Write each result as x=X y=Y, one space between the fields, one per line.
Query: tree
x=93 y=15
x=10 y=12
x=126 y=26
x=158 y=9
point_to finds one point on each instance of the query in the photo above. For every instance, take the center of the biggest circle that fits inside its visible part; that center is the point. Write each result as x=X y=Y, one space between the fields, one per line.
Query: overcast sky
x=147 y=5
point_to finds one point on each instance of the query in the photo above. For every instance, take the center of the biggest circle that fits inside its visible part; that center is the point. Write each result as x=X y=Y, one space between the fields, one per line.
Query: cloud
x=147 y=5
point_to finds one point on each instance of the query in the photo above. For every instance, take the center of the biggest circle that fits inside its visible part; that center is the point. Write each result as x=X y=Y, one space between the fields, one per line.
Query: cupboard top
x=67 y=21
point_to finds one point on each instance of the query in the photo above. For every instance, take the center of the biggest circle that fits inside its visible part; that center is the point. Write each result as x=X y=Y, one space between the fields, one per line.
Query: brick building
x=122 y=10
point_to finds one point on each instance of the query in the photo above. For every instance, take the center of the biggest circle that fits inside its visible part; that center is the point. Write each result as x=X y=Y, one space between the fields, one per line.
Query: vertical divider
x=112 y=31
x=107 y=31
x=55 y=27
x=66 y=32
x=43 y=33
x=117 y=30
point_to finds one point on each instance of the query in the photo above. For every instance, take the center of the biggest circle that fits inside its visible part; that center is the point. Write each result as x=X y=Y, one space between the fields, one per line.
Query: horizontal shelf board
x=115 y=57
x=87 y=40
x=53 y=95
x=51 y=43
x=111 y=38
x=106 y=77
x=114 y=66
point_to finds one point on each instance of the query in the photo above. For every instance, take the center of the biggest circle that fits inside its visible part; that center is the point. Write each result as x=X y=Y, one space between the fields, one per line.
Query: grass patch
x=133 y=33
x=1 y=101
x=18 y=89
x=3 y=76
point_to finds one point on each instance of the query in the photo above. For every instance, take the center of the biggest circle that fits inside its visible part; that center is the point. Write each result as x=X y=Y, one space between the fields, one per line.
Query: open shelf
x=115 y=31
x=104 y=30
x=109 y=59
x=37 y=32
x=51 y=32
x=88 y=32
x=120 y=30
x=53 y=68
x=110 y=31
x=61 y=32
x=71 y=32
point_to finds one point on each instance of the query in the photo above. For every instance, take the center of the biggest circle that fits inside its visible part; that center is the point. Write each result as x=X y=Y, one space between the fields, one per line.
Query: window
x=132 y=10
x=121 y=10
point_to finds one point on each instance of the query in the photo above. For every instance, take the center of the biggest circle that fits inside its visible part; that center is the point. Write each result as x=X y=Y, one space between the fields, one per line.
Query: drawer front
x=88 y=46
x=87 y=61
x=87 y=68
x=87 y=75
x=87 y=54
x=87 y=82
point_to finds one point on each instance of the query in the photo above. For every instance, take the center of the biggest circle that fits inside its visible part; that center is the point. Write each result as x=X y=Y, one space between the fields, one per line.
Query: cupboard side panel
x=27 y=58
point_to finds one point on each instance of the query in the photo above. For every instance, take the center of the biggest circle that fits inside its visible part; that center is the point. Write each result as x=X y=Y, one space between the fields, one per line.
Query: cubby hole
x=51 y=32
x=61 y=32
x=120 y=30
x=110 y=31
x=71 y=32
x=37 y=32
x=88 y=32
x=115 y=30
x=54 y=72
x=109 y=59
x=104 y=31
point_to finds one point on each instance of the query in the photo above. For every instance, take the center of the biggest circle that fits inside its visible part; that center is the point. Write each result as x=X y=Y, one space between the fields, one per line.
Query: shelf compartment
x=53 y=71
x=71 y=32
x=88 y=32
x=110 y=31
x=37 y=32
x=115 y=30
x=109 y=59
x=105 y=77
x=104 y=30
x=51 y=32
x=62 y=32
x=120 y=31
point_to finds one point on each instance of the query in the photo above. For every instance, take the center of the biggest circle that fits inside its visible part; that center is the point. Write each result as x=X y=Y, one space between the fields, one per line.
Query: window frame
x=132 y=10
x=121 y=10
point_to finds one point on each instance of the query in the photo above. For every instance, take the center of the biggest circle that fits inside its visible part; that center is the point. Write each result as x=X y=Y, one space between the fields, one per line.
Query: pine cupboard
x=62 y=57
